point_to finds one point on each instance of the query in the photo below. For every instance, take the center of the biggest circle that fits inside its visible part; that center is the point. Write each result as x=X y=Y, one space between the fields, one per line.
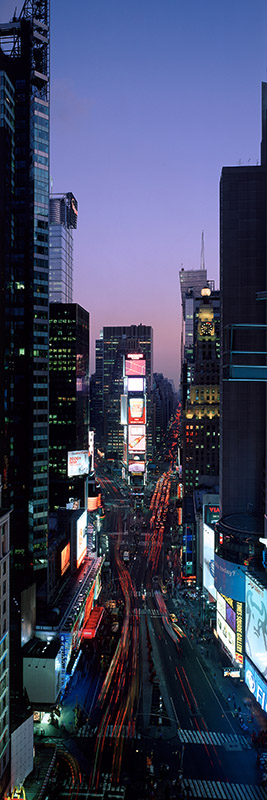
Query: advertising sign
x=229 y=578
x=78 y=463
x=65 y=559
x=211 y=513
x=208 y=560
x=81 y=540
x=137 y=410
x=221 y=605
x=226 y=634
x=239 y=637
x=135 y=384
x=256 y=625
x=257 y=686
x=91 y=448
x=135 y=366
x=136 y=466
x=231 y=672
x=136 y=439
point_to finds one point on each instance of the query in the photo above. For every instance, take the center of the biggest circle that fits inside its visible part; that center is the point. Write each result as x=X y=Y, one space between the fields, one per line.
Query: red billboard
x=137 y=410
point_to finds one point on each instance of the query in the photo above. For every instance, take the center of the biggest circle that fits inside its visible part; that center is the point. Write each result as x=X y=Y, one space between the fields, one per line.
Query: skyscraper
x=63 y=220
x=24 y=176
x=69 y=396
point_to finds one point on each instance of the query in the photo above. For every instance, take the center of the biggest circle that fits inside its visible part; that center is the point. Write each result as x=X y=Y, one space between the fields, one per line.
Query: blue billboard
x=229 y=578
x=257 y=686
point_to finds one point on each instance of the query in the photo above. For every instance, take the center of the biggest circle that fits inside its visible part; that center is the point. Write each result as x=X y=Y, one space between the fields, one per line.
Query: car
x=173 y=618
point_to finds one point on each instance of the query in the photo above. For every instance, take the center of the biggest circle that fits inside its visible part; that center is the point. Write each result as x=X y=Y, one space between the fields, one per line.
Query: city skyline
x=148 y=102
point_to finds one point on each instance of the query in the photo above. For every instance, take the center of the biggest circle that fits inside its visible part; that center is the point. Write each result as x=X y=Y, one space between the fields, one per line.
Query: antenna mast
x=202 y=256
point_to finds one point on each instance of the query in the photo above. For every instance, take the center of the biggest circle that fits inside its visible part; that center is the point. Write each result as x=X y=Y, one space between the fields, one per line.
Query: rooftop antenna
x=202 y=256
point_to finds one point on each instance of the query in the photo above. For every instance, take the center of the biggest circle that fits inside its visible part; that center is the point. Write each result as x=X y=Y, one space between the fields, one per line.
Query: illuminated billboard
x=256 y=624
x=137 y=410
x=81 y=538
x=221 y=605
x=136 y=466
x=135 y=366
x=78 y=463
x=257 y=686
x=208 y=560
x=135 y=384
x=226 y=634
x=65 y=559
x=91 y=448
x=229 y=578
x=136 y=439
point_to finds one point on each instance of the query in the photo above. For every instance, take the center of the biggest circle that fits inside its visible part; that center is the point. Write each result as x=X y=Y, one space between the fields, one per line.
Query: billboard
x=135 y=365
x=135 y=384
x=226 y=634
x=81 y=538
x=91 y=448
x=208 y=560
x=221 y=605
x=78 y=463
x=123 y=417
x=136 y=439
x=65 y=559
x=229 y=578
x=256 y=625
x=211 y=513
x=137 y=410
x=136 y=466
x=257 y=686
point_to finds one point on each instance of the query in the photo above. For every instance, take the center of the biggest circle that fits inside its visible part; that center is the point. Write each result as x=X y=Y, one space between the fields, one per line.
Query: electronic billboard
x=137 y=410
x=256 y=624
x=134 y=366
x=208 y=560
x=78 y=463
x=135 y=384
x=81 y=538
x=136 y=439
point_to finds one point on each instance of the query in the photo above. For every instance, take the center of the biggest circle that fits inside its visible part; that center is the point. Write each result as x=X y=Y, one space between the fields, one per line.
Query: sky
x=149 y=100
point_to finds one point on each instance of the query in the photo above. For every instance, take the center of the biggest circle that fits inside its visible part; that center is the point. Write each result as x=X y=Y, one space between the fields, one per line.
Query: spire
x=202 y=256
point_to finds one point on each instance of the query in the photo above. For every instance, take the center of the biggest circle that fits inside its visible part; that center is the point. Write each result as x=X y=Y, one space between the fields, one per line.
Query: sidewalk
x=235 y=692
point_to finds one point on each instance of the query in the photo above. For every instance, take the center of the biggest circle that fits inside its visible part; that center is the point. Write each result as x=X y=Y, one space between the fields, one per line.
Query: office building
x=116 y=342
x=24 y=176
x=63 y=220
x=68 y=397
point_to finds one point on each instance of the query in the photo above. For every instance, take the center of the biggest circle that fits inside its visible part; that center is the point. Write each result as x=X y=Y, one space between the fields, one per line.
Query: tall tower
x=63 y=220
x=24 y=69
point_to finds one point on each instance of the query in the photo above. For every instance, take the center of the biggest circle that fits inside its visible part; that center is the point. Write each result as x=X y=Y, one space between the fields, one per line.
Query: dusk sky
x=149 y=99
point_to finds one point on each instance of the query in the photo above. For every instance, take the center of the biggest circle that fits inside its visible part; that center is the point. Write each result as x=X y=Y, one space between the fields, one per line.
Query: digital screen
x=257 y=686
x=81 y=532
x=221 y=605
x=78 y=463
x=256 y=625
x=230 y=617
x=135 y=367
x=136 y=466
x=226 y=634
x=137 y=410
x=229 y=578
x=208 y=560
x=136 y=439
x=65 y=559
x=135 y=384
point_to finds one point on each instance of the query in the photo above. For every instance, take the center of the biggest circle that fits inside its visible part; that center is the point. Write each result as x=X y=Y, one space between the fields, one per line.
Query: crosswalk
x=230 y=741
x=88 y=730
x=221 y=791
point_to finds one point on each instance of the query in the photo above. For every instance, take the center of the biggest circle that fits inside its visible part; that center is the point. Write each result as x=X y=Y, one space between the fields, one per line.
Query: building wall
x=22 y=752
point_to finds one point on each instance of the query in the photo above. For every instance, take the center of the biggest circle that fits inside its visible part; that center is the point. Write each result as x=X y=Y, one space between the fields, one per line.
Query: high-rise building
x=116 y=341
x=24 y=213
x=63 y=220
x=68 y=396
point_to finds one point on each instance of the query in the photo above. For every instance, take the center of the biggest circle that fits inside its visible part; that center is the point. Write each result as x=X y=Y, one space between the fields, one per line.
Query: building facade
x=68 y=396
x=63 y=220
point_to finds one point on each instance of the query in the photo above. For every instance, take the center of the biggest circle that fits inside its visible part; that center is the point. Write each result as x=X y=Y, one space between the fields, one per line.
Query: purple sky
x=149 y=99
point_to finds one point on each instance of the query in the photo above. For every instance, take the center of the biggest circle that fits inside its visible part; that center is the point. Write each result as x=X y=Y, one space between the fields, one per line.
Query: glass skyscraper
x=24 y=212
x=63 y=219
